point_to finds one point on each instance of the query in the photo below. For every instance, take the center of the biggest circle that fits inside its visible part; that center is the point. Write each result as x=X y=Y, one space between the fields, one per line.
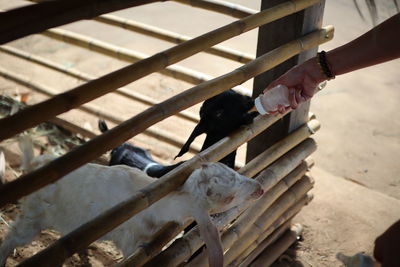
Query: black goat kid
x=219 y=116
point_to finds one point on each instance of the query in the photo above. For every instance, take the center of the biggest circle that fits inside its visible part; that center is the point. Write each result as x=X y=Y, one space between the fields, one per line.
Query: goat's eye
x=218 y=113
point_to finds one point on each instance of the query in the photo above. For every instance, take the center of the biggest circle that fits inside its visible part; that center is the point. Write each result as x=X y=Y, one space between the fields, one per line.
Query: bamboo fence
x=20 y=22
x=125 y=92
x=172 y=37
x=295 y=138
x=96 y=88
x=223 y=7
x=293 y=195
x=276 y=249
x=95 y=110
x=114 y=137
x=183 y=248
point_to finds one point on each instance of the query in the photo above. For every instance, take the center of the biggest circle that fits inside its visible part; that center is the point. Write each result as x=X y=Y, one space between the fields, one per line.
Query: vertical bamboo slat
x=86 y=77
x=93 y=109
x=19 y=22
x=119 y=78
x=219 y=6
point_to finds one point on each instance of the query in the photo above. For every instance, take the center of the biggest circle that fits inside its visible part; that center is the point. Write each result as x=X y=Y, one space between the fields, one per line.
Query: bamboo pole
x=245 y=261
x=114 y=137
x=267 y=160
x=281 y=147
x=121 y=53
x=86 y=77
x=93 y=109
x=20 y=22
x=248 y=217
x=223 y=7
x=293 y=195
x=279 y=247
x=96 y=88
x=139 y=257
x=172 y=37
x=183 y=248
x=263 y=241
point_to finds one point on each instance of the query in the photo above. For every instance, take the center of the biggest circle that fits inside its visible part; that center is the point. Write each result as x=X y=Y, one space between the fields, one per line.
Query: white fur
x=2 y=168
x=92 y=189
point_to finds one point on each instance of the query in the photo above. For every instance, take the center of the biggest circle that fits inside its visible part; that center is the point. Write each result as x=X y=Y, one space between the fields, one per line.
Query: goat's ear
x=210 y=234
x=198 y=130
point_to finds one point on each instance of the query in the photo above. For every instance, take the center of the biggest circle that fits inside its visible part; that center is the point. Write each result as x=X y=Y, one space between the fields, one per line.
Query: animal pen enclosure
x=276 y=156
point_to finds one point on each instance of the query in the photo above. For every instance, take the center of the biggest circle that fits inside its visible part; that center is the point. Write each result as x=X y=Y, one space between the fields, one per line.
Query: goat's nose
x=257 y=193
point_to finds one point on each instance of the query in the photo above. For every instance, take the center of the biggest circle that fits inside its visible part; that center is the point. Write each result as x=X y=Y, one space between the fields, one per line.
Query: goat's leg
x=22 y=232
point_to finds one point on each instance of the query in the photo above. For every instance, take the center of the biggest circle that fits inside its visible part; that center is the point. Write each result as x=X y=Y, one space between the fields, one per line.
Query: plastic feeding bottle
x=269 y=101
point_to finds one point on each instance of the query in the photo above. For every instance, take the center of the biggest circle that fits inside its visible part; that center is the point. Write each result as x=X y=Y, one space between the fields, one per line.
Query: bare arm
x=378 y=45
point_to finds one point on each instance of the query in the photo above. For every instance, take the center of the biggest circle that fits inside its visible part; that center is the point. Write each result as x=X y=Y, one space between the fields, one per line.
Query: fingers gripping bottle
x=269 y=101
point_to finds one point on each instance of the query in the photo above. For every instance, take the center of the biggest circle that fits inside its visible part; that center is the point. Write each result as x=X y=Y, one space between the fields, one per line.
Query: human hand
x=387 y=246
x=302 y=81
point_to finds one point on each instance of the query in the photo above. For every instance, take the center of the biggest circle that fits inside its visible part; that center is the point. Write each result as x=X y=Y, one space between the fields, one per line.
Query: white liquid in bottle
x=268 y=102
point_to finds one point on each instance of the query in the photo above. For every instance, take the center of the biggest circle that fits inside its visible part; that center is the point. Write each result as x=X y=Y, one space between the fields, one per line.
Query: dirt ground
x=357 y=190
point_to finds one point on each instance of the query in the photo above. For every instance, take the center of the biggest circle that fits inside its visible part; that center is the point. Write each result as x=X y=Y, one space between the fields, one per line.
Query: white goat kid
x=92 y=189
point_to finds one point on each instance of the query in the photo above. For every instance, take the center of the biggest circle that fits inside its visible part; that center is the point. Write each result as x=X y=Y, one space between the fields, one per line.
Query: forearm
x=378 y=45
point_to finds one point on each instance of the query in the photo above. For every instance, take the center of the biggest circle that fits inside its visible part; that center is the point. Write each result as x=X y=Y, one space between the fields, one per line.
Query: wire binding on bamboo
x=172 y=37
x=93 y=109
x=223 y=7
x=279 y=247
x=20 y=22
x=86 y=77
x=119 y=78
x=183 y=248
x=293 y=195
